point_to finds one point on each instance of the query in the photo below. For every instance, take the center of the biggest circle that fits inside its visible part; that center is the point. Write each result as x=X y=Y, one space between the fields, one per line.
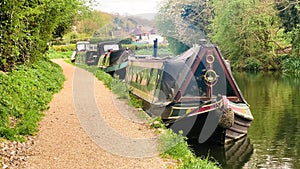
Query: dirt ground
x=67 y=139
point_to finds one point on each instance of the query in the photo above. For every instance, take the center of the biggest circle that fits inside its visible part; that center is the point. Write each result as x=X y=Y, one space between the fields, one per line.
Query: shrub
x=126 y=41
x=27 y=27
x=252 y=64
x=98 y=40
x=291 y=66
x=135 y=102
x=143 y=46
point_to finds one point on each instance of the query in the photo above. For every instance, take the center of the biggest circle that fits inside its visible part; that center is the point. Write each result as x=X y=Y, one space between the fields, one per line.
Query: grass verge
x=24 y=94
x=53 y=54
x=175 y=146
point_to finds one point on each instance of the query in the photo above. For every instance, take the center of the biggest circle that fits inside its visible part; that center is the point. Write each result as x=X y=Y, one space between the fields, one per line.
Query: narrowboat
x=194 y=93
x=108 y=56
x=113 y=59
x=84 y=53
x=81 y=48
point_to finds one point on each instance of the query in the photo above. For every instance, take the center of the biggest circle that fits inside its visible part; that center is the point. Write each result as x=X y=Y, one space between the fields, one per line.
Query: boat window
x=111 y=46
x=81 y=46
x=144 y=81
x=92 y=47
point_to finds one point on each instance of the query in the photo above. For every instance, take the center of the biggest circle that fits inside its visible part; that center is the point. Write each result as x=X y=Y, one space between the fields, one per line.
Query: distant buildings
x=145 y=34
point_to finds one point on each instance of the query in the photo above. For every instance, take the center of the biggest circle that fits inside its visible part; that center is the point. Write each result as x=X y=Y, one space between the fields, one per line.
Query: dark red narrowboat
x=194 y=92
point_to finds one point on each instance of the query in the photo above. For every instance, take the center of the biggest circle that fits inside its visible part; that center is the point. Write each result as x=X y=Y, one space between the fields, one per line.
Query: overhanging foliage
x=27 y=26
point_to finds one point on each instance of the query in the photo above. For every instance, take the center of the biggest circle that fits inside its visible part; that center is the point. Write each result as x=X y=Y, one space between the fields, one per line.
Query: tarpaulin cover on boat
x=176 y=71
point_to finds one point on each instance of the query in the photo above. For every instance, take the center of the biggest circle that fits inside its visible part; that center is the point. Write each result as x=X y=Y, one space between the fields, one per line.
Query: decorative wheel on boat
x=210 y=77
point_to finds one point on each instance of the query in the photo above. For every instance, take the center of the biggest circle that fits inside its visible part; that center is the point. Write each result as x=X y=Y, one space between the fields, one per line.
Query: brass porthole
x=210 y=58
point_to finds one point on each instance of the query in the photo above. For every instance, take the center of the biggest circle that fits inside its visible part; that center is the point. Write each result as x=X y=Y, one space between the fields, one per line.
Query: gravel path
x=84 y=128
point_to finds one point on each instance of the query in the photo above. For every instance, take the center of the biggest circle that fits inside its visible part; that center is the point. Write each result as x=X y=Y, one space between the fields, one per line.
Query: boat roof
x=180 y=71
x=183 y=68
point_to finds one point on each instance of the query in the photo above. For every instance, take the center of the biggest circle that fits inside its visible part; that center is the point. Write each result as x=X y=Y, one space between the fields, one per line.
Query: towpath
x=85 y=127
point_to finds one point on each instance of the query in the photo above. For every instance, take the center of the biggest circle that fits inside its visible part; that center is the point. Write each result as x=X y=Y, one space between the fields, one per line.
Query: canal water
x=273 y=139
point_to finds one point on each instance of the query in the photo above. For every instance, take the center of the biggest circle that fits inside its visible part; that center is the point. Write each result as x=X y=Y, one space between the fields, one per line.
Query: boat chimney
x=155 y=48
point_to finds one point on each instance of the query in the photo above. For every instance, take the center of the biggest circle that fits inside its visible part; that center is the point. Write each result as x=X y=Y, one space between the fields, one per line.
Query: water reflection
x=275 y=131
x=229 y=156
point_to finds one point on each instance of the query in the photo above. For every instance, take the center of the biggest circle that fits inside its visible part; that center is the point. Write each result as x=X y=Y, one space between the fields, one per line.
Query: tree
x=289 y=12
x=27 y=27
x=92 y=21
x=185 y=20
x=246 y=30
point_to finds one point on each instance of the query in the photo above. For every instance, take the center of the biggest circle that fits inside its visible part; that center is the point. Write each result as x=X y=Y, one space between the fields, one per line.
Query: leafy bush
x=27 y=27
x=176 y=47
x=252 y=64
x=104 y=77
x=97 y=40
x=175 y=145
x=25 y=93
x=134 y=101
x=126 y=41
x=291 y=66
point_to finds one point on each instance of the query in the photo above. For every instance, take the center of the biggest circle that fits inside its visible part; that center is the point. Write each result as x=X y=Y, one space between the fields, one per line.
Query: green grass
x=156 y=123
x=69 y=61
x=119 y=88
x=24 y=95
x=175 y=146
x=53 y=54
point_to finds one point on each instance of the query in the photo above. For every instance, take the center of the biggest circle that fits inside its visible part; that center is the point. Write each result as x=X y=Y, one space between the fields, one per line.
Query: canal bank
x=62 y=142
x=170 y=145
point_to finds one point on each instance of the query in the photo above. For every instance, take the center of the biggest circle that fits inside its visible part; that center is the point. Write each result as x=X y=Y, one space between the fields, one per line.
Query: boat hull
x=242 y=122
x=202 y=127
x=211 y=123
x=206 y=123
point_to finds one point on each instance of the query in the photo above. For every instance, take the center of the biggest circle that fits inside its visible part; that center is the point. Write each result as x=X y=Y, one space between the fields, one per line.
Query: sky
x=128 y=7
